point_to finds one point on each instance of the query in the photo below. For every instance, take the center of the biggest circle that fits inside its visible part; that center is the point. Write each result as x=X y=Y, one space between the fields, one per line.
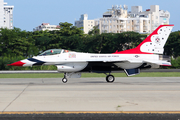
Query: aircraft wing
x=119 y=60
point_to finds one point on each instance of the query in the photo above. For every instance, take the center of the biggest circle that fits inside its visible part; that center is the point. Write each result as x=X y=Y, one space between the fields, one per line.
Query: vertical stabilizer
x=154 y=43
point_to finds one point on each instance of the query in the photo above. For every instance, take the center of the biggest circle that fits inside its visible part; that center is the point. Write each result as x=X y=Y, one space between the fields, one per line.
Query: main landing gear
x=110 y=78
x=64 y=80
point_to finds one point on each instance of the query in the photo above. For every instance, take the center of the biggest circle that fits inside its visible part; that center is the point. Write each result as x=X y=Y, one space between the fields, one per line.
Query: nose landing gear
x=64 y=80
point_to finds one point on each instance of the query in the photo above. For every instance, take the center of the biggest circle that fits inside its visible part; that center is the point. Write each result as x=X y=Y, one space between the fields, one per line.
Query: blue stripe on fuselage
x=38 y=62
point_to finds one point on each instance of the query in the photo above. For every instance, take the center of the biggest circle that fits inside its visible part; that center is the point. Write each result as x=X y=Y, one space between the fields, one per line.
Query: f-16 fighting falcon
x=147 y=54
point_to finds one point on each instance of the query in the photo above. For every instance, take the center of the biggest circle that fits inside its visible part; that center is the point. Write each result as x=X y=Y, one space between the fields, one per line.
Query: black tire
x=110 y=78
x=64 y=80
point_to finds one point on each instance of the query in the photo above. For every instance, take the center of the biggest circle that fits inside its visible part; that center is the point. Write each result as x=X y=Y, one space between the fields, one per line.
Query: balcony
x=136 y=24
x=105 y=24
x=145 y=28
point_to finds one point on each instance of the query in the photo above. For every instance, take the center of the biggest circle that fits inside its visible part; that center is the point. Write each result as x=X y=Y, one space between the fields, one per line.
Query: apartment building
x=6 y=15
x=46 y=26
x=1 y=13
x=118 y=19
x=86 y=24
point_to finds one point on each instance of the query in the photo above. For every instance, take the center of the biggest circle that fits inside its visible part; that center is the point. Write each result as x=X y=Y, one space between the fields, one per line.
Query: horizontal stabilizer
x=131 y=72
x=163 y=63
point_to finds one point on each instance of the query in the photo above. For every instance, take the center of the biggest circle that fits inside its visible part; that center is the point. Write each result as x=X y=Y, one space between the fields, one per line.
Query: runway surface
x=90 y=94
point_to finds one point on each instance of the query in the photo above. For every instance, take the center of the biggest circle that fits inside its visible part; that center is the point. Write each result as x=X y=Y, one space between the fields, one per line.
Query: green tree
x=172 y=46
x=14 y=42
x=67 y=29
x=94 y=31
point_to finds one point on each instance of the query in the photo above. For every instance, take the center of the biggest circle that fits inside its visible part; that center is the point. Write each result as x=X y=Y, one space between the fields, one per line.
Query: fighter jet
x=147 y=54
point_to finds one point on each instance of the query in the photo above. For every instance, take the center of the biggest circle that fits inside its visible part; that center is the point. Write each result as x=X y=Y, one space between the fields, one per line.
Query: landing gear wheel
x=64 y=80
x=110 y=78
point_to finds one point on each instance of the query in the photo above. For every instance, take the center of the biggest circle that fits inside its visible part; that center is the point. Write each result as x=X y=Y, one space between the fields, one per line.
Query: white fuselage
x=74 y=61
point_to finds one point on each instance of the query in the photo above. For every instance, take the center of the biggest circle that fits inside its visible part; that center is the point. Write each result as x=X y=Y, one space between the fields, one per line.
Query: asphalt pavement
x=90 y=94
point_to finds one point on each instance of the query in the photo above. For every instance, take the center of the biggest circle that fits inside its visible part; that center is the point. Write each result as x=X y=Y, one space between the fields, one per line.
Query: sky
x=29 y=14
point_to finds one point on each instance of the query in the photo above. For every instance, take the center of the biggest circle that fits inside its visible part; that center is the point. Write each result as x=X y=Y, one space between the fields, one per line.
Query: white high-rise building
x=86 y=24
x=1 y=13
x=118 y=19
x=6 y=15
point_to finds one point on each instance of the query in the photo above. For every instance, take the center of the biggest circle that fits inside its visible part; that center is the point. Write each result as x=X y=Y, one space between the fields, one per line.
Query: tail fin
x=154 y=43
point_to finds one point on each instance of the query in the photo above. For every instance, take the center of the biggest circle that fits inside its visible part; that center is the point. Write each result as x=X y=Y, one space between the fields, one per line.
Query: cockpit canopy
x=51 y=52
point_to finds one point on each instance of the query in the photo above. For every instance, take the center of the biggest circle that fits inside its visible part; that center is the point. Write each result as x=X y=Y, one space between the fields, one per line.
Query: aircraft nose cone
x=18 y=63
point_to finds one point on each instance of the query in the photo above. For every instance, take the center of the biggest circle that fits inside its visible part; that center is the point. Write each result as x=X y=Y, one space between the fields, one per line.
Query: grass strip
x=85 y=75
